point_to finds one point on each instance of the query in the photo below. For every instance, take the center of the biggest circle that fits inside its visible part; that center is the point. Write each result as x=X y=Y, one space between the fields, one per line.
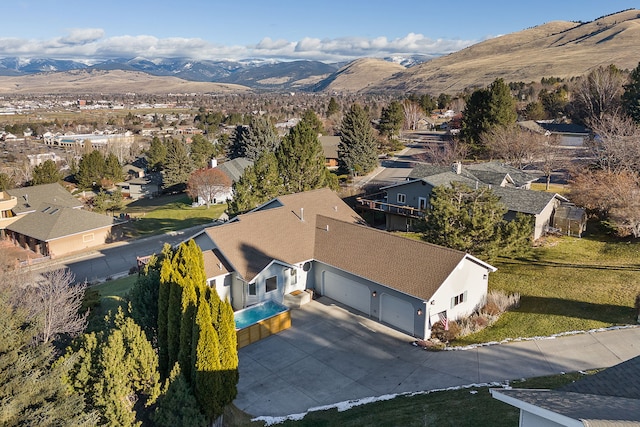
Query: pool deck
x=332 y=354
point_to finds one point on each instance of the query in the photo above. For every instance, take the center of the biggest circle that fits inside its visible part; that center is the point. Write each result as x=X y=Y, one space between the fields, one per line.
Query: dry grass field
x=112 y=81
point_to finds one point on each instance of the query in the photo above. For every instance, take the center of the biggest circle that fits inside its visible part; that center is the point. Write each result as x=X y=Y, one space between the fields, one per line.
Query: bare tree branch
x=56 y=303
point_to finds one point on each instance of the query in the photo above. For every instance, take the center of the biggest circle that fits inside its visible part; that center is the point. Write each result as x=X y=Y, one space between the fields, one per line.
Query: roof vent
x=301 y=214
x=326 y=228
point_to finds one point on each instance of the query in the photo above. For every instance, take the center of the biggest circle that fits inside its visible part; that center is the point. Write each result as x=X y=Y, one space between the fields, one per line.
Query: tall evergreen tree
x=32 y=391
x=113 y=169
x=259 y=183
x=178 y=165
x=91 y=169
x=301 y=160
x=164 y=291
x=46 y=173
x=631 y=95
x=260 y=137
x=333 y=107
x=201 y=150
x=486 y=109
x=313 y=120
x=156 y=154
x=206 y=380
x=357 y=150
x=391 y=119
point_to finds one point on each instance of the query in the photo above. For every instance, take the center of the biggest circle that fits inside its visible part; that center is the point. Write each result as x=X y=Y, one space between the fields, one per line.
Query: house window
x=271 y=283
x=252 y=289
x=422 y=203
x=294 y=276
x=212 y=283
x=87 y=238
x=402 y=198
x=458 y=299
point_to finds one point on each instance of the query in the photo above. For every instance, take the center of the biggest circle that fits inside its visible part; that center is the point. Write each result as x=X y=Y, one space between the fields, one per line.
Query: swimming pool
x=256 y=313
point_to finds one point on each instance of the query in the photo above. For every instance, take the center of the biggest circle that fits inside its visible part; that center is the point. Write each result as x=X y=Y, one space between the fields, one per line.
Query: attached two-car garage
x=393 y=310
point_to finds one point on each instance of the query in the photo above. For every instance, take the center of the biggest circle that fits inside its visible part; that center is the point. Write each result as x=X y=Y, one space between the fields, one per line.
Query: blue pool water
x=256 y=313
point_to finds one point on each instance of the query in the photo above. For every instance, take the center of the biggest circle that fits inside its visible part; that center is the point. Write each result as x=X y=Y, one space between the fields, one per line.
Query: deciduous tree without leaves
x=208 y=185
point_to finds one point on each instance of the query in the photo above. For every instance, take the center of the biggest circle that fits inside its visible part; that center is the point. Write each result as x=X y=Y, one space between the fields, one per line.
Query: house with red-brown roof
x=315 y=241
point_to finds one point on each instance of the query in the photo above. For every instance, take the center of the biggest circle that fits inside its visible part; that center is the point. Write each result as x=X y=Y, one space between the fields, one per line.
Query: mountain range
x=555 y=49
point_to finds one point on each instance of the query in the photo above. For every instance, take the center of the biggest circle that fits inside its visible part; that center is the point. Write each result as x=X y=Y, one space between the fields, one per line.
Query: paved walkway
x=331 y=355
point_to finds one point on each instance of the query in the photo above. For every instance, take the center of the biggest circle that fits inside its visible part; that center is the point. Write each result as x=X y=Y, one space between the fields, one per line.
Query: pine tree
x=333 y=107
x=301 y=160
x=391 y=120
x=631 y=95
x=32 y=390
x=259 y=183
x=91 y=169
x=114 y=369
x=357 y=151
x=178 y=407
x=486 y=109
x=178 y=165
x=113 y=169
x=46 y=173
x=473 y=221
x=156 y=154
x=201 y=151
x=260 y=137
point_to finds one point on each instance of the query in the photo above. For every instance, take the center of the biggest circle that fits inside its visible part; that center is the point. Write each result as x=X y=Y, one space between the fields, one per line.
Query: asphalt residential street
x=333 y=354
x=115 y=259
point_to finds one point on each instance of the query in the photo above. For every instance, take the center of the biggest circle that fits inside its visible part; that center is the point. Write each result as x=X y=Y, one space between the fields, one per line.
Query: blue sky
x=328 y=30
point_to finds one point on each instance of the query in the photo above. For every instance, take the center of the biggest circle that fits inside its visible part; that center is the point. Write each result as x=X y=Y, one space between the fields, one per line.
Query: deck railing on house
x=374 y=203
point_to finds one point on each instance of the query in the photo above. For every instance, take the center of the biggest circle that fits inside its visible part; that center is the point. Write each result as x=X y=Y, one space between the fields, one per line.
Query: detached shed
x=570 y=219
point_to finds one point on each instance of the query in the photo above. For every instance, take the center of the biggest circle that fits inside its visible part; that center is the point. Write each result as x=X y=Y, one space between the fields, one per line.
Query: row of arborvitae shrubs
x=497 y=302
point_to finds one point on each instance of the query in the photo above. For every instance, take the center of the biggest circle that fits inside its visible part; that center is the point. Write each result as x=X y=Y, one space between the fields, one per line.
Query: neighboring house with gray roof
x=314 y=241
x=49 y=221
x=608 y=398
x=405 y=203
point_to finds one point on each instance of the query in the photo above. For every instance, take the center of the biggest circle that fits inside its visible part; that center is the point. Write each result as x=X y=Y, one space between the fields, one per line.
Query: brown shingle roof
x=215 y=264
x=285 y=232
x=413 y=267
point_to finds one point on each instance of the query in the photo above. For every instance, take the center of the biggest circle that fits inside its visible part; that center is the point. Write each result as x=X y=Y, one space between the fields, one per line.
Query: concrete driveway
x=332 y=354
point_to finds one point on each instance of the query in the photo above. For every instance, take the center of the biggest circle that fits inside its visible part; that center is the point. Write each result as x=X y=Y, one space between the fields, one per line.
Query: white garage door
x=396 y=312
x=346 y=291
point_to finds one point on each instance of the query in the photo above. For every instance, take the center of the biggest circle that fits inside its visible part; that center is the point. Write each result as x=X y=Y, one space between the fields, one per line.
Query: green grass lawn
x=110 y=295
x=568 y=284
x=168 y=213
x=554 y=188
x=465 y=407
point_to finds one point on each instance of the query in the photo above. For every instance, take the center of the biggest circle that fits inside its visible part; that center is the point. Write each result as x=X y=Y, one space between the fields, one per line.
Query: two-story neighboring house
x=406 y=202
x=314 y=241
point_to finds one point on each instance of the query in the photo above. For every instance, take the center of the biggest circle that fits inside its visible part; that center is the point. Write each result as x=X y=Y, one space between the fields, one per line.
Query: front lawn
x=167 y=213
x=107 y=296
x=567 y=284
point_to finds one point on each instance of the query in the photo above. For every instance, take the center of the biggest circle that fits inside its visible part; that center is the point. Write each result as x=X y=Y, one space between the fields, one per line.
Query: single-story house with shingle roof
x=608 y=398
x=233 y=169
x=48 y=220
x=314 y=241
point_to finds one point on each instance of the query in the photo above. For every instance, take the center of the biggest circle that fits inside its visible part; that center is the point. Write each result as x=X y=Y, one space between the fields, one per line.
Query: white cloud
x=91 y=43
